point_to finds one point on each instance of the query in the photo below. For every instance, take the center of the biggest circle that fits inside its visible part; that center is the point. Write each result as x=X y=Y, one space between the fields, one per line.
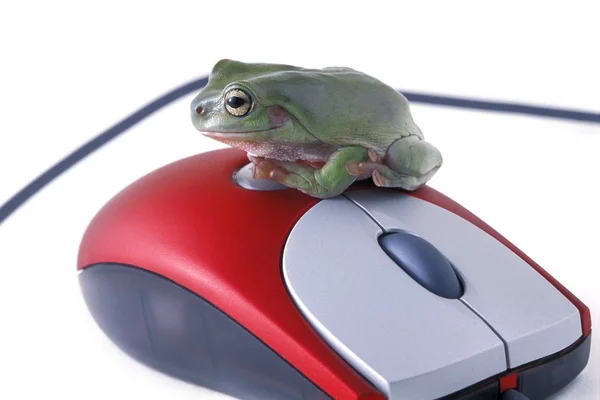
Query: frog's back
x=339 y=105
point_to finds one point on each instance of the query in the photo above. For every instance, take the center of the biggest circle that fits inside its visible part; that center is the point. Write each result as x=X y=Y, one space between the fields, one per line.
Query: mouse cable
x=94 y=144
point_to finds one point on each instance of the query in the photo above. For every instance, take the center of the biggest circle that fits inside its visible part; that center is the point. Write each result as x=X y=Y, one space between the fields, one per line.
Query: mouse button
x=244 y=177
x=407 y=341
x=423 y=262
x=532 y=316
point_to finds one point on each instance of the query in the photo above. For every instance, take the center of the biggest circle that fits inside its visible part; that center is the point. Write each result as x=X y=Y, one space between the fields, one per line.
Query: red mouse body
x=183 y=270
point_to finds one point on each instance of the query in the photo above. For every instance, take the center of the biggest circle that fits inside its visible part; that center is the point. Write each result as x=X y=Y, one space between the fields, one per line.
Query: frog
x=317 y=130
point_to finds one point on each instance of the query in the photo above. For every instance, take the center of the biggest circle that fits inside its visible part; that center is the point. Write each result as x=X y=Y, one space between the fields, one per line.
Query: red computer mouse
x=262 y=292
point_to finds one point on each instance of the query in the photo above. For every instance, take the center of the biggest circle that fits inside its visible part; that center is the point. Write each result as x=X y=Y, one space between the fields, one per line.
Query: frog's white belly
x=317 y=152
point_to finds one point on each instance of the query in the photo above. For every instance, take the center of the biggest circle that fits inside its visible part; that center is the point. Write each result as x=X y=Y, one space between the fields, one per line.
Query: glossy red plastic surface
x=508 y=382
x=431 y=195
x=190 y=223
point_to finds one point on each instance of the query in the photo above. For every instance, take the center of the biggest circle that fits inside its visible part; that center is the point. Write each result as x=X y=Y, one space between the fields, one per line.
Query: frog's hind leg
x=409 y=163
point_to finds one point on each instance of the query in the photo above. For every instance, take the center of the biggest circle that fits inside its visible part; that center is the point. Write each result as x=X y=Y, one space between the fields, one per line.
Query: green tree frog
x=315 y=130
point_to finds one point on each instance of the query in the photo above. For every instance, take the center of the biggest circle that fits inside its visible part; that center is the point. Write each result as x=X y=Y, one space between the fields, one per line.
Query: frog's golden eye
x=237 y=102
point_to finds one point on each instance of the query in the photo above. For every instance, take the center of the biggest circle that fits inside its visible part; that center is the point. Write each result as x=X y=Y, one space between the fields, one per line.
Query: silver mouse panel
x=407 y=341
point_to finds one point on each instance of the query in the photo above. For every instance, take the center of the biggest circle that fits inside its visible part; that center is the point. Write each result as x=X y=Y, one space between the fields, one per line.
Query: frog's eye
x=237 y=102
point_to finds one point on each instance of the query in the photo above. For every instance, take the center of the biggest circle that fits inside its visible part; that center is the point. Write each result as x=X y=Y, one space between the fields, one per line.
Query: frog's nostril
x=199 y=110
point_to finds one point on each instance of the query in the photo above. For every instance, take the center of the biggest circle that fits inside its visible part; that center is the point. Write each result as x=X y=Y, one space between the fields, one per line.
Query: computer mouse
x=259 y=291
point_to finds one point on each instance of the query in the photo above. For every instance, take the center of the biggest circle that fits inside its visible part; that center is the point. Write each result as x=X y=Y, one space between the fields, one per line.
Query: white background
x=71 y=69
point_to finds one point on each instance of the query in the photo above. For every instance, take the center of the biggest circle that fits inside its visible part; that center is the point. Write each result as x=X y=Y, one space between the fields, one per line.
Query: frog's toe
x=364 y=169
x=361 y=169
x=263 y=169
x=278 y=175
x=379 y=179
x=373 y=156
x=354 y=168
x=267 y=169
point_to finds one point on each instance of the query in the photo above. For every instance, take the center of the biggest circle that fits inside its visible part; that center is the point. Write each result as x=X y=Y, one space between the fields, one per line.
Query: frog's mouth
x=236 y=135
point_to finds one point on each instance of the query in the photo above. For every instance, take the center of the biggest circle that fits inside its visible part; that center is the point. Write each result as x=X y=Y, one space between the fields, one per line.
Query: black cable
x=36 y=185
x=512 y=108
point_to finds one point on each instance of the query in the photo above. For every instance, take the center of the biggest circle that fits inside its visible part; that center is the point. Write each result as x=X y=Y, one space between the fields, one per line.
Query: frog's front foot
x=322 y=182
x=296 y=175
